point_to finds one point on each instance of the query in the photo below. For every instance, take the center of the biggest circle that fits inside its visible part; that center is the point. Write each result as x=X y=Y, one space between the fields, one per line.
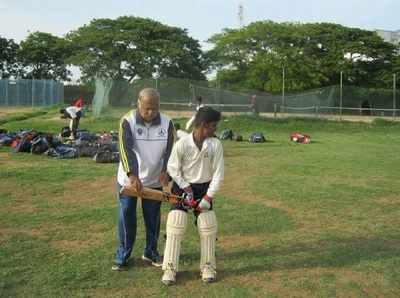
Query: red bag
x=301 y=138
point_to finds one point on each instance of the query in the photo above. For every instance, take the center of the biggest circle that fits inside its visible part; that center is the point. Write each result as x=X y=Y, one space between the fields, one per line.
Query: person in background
x=73 y=113
x=180 y=133
x=199 y=105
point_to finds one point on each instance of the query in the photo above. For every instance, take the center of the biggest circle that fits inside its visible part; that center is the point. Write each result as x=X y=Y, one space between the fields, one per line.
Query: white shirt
x=187 y=164
x=72 y=110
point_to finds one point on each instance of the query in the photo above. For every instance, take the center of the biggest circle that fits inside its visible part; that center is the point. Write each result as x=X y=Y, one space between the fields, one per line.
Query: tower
x=240 y=15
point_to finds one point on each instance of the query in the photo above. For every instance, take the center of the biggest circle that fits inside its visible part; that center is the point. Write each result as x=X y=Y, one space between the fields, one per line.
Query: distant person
x=254 y=105
x=180 y=133
x=199 y=105
x=78 y=102
x=146 y=137
x=73 y=113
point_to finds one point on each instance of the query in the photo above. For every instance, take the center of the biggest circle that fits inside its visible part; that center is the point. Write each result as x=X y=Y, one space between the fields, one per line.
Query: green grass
x=318 y=220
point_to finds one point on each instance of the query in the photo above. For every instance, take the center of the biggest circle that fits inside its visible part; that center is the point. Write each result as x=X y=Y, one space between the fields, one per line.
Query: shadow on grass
x=340 y=252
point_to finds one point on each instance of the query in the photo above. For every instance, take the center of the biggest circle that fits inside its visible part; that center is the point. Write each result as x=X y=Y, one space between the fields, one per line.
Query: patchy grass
x=318 y=220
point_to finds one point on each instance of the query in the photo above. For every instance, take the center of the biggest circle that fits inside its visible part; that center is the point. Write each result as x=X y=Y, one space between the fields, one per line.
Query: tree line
x=253 y=57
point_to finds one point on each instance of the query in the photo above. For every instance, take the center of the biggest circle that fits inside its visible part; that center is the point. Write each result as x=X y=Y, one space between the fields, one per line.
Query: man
x=145 y=143
x=74 y=113
x=199 y=105
x=196 y=166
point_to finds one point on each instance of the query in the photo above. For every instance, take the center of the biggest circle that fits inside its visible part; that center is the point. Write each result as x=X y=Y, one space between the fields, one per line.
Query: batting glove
x=205 y=204
x=188 y=198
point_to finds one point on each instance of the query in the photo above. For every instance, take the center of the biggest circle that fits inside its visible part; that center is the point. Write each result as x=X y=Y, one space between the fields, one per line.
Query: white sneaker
x=169 y=276
x=208 y=274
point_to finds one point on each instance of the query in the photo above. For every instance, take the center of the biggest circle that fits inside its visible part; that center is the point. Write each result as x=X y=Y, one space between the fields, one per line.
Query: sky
x=202 y=18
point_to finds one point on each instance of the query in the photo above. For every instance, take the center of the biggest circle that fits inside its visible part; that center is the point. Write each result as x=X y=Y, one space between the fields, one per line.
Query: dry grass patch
x=234 y=186
x=239 y=241
x=94 y=236
x=78 y=192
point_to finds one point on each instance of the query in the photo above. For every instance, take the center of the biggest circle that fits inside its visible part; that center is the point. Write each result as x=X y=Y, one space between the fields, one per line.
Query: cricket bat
x=152 y=194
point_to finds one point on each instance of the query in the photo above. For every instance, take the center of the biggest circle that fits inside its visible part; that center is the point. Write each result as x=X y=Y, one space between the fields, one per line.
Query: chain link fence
x=181 y=94
x=31 y=93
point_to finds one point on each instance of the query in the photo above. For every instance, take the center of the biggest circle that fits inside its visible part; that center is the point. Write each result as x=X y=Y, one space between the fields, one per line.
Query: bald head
x=149 y=104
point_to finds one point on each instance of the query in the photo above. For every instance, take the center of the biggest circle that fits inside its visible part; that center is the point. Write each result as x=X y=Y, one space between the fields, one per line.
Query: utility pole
x=283 y=86
x=341 y=94
x=394 y=96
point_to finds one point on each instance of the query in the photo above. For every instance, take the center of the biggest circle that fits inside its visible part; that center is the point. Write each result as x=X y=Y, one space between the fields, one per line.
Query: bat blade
x=152 y=194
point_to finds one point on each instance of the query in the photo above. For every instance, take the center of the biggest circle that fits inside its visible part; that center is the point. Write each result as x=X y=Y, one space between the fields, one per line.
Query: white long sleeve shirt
x=187 y=164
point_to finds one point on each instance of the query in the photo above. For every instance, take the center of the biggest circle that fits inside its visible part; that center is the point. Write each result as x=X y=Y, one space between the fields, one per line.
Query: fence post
x=33 y=91
x=341 y=94
x=275 y=110
x=7 y=82
x=394 y=96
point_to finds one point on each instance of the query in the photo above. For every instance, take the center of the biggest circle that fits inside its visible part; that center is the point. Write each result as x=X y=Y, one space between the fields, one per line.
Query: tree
x=8 y=58
x=131 y=47
x=44 y=56
x=312 y=55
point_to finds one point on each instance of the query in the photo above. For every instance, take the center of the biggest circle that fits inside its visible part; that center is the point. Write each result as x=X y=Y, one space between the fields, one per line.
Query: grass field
x=318 y=220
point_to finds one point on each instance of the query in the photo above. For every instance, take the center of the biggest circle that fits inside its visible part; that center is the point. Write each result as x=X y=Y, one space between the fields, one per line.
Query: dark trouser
x=127 y=226
x=199 y=191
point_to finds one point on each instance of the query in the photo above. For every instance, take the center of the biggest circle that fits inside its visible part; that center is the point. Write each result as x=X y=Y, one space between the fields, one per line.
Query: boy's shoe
x=208 y=274
x=169 y=276
x=155 y=260
x=119 y=267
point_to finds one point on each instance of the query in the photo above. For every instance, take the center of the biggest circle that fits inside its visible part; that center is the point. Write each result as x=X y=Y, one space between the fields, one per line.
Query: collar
x=140 y=120
x=193 y=144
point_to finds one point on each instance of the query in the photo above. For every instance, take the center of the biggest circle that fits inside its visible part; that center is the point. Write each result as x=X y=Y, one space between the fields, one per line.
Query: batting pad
x=207 y=227
x=176 y=227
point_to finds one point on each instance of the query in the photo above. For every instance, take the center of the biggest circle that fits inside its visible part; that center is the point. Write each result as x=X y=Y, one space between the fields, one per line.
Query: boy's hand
x=205 y=204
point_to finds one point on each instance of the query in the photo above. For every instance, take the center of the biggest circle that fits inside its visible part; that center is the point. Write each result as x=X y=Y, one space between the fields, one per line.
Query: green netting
x=101 y=98
x=115 y=97
x=30 y=92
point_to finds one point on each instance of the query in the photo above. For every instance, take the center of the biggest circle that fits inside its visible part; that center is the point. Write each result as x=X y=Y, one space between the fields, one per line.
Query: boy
x=196 y=165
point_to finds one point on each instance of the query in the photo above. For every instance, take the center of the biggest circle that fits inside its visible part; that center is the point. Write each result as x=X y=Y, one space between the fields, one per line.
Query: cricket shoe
x=169 y=276
x=208 y=274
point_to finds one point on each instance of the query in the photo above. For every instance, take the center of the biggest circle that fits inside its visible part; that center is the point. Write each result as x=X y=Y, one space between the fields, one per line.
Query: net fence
x=181 y=94
x=32 y=93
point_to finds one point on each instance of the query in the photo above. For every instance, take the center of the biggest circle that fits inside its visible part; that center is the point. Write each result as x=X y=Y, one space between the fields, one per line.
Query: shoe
x=169 y=276
x=119 y=267
x=208 y=274
x=156 y=260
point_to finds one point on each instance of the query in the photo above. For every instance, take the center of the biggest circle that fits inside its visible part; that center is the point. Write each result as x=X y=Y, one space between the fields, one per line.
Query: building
x=389 y=36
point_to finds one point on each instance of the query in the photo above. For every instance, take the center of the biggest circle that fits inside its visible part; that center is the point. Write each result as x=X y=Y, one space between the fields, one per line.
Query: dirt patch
x=7 y=232
x=238 y=241
x=13 y=110
x=307 y=282
x=75 y=245
x=234 y=186
x=391 y=200
x=77 y=191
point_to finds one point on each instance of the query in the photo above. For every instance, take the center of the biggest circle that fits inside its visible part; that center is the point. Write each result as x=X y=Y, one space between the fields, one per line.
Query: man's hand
x=136 y=183
x=205 y=204
x=164 y=178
